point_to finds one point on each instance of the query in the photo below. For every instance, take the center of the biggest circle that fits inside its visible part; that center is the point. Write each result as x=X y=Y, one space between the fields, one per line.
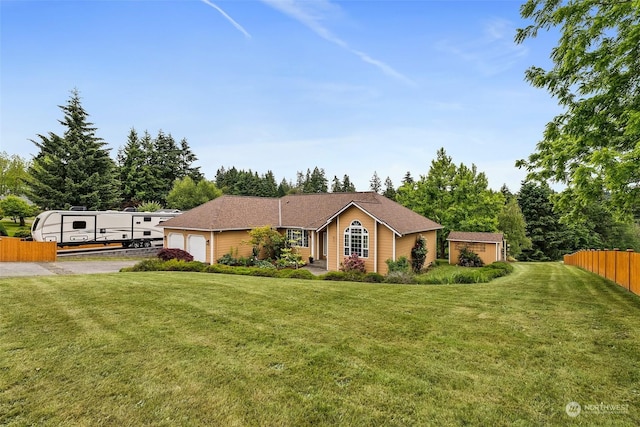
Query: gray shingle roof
x=475 y=236
x=309 y=211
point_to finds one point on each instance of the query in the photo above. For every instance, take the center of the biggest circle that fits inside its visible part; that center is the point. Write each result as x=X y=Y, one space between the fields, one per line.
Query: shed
x=490 y=247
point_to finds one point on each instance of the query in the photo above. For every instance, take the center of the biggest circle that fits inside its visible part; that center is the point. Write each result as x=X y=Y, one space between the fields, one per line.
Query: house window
x=297 y=237
x=356 y=240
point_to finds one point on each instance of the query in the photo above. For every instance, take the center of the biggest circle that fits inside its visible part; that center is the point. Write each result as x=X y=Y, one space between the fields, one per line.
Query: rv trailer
x=68 y=228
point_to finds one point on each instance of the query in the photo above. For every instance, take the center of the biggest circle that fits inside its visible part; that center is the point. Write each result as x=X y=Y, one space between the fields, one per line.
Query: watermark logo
x=573 y=409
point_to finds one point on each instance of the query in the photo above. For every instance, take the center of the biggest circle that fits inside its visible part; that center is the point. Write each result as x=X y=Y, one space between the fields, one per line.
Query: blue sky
x=284 y=85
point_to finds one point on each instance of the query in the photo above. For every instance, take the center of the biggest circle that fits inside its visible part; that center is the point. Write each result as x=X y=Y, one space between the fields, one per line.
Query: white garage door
x=175 y=240
x=197 y=247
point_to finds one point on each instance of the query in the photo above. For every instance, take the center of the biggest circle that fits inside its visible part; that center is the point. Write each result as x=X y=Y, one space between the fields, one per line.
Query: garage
x=175 y=240
x=197 y=247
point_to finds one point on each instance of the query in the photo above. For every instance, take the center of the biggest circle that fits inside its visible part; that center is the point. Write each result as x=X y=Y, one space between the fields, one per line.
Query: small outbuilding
x=490 y=247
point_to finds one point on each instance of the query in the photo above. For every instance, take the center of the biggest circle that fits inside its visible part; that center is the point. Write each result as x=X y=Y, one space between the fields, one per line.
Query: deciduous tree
x=594 y=144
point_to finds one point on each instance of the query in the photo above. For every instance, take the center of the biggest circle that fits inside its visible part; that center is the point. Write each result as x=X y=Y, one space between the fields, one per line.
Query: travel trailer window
x=79 y=225
x=147 y=219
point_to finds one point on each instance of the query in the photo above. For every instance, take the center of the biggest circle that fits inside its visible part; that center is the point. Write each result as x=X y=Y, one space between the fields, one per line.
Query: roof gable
x=474 y=236
x=308 y=211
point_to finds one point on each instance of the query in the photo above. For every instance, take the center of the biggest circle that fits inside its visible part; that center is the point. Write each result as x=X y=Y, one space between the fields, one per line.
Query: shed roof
x=308 y=211
x=475 y=236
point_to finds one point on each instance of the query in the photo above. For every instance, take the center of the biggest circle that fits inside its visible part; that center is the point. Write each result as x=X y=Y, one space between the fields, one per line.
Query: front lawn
x=174 y=348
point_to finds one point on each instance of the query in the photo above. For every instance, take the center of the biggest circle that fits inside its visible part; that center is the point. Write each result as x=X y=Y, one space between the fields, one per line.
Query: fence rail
x=16 y=250
x=621 y=267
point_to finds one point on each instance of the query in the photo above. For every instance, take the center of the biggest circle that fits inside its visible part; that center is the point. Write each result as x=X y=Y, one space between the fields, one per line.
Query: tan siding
x=232 y=242
x=385 y=247
x=355 y=214
x=486 y=251
x=405 y=243
x=333 y=246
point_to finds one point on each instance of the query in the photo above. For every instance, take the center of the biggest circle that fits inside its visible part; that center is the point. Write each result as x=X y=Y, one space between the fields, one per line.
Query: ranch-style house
x=327 y=227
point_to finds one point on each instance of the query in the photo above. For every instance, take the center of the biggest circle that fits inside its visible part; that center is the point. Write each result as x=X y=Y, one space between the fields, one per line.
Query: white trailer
x=67 y=228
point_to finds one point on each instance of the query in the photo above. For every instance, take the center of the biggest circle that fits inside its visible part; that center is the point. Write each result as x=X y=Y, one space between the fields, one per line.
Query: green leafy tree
x=14 y=174
x=511 y=222
x=74 y=169
x=594 y=144
x=186 y=194
x=458 y=198
x=17 y=208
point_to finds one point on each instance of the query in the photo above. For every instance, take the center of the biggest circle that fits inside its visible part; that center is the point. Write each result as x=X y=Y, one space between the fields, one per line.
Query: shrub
x=419 y=254
x=468 y=258
x=353 y=263
x=3 y=231
x=289 y=259
x=337 y=276
x=403 y=277
x=167 y=254
x=297 y=274
x=152 y=264
x=402 y=264
x=373 y=278
x=180 y=265
x=22 y=233
x=261 y=263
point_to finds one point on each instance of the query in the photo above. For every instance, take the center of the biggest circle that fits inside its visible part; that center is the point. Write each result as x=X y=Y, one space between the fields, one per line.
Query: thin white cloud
x=492 y=53
x=228 y=18
x=311 y=13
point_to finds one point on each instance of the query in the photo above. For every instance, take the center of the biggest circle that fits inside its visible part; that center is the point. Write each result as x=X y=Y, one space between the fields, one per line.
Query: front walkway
x=318 y=267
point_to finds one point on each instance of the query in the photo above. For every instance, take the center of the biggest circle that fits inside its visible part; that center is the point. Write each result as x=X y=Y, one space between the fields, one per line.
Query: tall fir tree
x=389 y=190
x=75 y=169
x=375 y=184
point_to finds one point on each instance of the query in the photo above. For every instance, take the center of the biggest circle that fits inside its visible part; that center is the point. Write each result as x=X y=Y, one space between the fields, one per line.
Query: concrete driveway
x=21 y=269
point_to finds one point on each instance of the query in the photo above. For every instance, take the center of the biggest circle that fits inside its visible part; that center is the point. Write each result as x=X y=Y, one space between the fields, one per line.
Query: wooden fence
x=17 y=250
x=621 y=267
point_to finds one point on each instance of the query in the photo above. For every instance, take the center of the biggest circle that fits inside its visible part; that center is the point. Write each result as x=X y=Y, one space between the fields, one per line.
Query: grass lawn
x=171 y=349
x=12 y=227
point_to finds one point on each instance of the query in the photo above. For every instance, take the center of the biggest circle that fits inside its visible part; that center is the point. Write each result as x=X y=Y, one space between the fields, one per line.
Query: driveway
x=21 y=269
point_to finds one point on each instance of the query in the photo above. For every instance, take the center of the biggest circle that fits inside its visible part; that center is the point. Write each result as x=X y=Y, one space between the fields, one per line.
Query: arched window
x=356 y=240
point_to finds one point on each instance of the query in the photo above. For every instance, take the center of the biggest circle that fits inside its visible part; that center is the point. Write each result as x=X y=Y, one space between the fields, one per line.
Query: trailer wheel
x=147 y=243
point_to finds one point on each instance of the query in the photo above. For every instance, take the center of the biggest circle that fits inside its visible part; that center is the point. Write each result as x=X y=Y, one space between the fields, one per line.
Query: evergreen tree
x=74 y=169
x=131 y=162
x=336 y=186
x=347 y=185
x=548 y=235
x=375 y=184
x=389 y=190
x=186 y=159
x=284 y=188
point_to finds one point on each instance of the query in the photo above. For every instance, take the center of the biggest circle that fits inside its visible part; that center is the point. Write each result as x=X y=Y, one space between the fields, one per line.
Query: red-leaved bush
x=353 y=264
x=166 y=254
